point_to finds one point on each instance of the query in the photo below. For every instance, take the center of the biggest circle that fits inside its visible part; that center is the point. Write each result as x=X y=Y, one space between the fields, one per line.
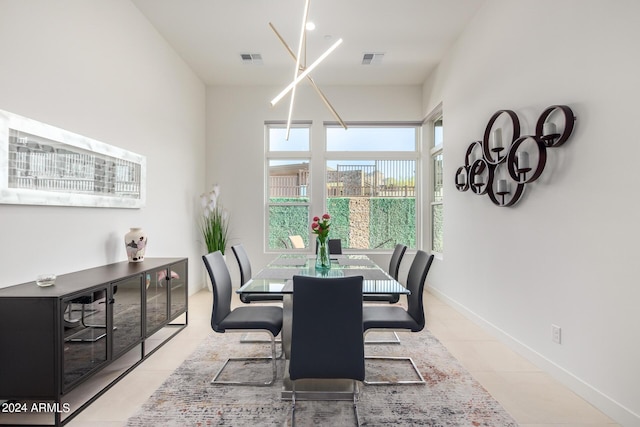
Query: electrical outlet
x=556 y=334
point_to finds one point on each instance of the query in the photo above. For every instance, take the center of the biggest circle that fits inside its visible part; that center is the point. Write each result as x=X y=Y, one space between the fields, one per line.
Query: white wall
x=99 y=69
x=235 y=138
x=567 y=253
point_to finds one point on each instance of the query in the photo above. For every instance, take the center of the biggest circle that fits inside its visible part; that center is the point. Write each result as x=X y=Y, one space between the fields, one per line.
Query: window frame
x=298 y=155
x=435 y=150
x=364 y=155
x=317 y=158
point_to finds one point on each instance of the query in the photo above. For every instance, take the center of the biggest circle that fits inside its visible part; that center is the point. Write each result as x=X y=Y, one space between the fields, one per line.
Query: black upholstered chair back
x=244 y=265
x=243 y=262
x=415 y=283
x=327 y=336
x=396 y=259
x=335 y=246
x=221 y=284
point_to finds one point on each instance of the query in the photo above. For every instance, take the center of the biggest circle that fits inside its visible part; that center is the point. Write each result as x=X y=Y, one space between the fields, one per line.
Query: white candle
x=461 y=179
x=502 y=186
x=496 y=138
x=548 y=128
x=478 y=180
x=523 y=159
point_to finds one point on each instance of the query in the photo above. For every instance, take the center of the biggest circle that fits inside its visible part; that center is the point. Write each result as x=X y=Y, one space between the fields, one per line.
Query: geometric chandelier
x=301 y=70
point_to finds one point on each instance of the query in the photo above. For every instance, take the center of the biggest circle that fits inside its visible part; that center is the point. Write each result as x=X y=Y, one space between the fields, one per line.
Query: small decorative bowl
x=44 y=280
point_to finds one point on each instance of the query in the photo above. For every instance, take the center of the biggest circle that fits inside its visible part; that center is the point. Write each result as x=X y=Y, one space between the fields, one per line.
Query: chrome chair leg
x=395 y=358
x=244 y=339
x=73 y=337
x=355 y=402
x=69 y=322
x=400 y=382
x=393 y=341
x=293 y=403
x=242 y=359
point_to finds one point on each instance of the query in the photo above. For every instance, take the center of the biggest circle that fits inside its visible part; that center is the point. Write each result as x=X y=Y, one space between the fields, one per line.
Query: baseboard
x=604 y=403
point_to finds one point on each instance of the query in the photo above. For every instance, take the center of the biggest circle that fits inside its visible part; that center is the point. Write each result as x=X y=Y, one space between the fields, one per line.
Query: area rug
x=451 y=397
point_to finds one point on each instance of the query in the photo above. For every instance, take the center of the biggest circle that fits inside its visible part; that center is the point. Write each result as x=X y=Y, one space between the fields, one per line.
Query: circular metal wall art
x=554 y=139
x=479 y=174
x=492 y=141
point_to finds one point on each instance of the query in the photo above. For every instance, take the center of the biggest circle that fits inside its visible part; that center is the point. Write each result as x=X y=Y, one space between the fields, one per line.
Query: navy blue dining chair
x=389 y=317
x=327 y=339
x=267 y=319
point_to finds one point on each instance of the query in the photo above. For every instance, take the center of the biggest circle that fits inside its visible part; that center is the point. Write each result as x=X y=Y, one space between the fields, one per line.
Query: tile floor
x=530 y=395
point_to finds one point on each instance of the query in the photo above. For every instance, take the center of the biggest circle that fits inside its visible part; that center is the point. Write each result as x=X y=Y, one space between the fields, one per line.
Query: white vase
x=135 y=242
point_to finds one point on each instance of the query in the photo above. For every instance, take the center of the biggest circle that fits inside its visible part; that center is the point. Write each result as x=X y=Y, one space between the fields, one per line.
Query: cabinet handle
x=112 y=300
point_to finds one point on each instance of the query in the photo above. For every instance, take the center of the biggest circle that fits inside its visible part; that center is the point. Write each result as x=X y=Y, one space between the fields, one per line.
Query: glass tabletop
x=337 y=261
x=277 y=276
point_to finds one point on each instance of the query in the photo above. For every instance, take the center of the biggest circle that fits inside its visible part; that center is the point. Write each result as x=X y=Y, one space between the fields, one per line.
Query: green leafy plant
x=214 y=222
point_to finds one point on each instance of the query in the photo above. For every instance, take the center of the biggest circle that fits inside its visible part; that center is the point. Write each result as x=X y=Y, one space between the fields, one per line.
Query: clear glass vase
x=322 y=256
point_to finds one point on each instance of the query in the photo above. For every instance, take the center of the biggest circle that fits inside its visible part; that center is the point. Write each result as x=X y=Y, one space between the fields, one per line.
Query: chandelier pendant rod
x=310 y=79
x=302 y=42
x=286 y=90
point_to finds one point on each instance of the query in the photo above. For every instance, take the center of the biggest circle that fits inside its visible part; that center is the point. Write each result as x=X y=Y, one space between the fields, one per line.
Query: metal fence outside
x=385 y=178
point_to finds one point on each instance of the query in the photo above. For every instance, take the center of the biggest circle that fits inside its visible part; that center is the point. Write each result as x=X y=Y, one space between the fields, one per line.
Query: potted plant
x=214 y=222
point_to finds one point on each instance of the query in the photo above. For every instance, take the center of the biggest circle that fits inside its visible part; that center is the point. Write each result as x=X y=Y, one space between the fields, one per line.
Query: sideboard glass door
x=157 y=300
x=127 y=314
x=178 y=288
x=85 y=334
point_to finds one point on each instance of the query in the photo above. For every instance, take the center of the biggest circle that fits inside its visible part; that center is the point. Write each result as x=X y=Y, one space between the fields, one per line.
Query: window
x=437 y=218
x=288 y=181
x=298 y=139
x=364 y=177
x=370 y=184
x=371 y=139
x=372 y=202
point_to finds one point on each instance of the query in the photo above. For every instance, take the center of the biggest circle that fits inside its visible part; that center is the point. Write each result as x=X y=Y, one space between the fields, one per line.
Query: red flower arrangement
x=320 y=227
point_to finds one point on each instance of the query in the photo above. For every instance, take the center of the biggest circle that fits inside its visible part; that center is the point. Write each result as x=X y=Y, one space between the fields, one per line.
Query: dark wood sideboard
x=64 y=345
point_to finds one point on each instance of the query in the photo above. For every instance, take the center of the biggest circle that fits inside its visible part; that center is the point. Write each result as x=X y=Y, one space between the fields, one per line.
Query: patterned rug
x=451 y=396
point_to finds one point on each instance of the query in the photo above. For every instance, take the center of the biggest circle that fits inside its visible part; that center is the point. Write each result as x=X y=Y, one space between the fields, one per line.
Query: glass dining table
x=277 y=278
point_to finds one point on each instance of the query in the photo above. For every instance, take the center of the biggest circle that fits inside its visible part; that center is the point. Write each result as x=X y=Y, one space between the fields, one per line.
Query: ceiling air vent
x=251 y=58
x=372 y=58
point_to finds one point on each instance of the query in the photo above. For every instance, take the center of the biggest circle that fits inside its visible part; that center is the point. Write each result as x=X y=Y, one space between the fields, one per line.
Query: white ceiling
x=210 y=35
